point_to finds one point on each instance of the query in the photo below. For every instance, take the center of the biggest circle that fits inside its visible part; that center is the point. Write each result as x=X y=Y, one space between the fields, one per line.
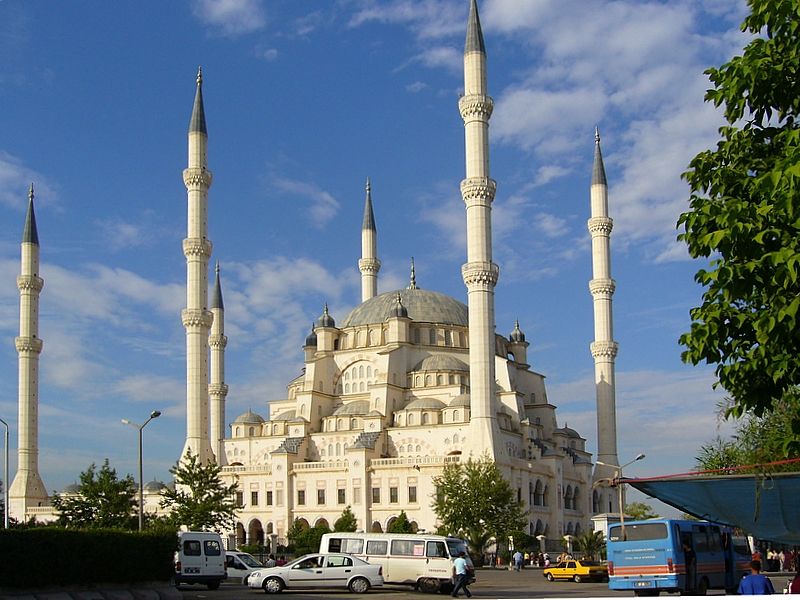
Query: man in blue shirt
x=460 y=575
x=755 y=583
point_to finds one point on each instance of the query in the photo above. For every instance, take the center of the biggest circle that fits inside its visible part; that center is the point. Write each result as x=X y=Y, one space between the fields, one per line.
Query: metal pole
x=621 y=502
x=5 y=475
x=141 y=481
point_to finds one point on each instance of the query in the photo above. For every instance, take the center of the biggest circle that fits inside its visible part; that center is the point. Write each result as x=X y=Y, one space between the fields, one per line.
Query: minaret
x=369 y=265
x=217 y=390
x=196 y=317
x=604 y=348
x=479 y=272
x=28 y=490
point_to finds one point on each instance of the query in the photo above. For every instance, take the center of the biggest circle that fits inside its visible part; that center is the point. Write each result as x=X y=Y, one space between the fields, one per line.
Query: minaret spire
x=369 y=265
x=196 y=317
x=27 y=489
x=412 y=282
x=604 y=348
x=479 y=272
x=217 y=389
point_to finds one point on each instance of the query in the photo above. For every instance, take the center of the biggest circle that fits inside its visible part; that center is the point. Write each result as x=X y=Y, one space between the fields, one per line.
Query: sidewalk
x=144 y=591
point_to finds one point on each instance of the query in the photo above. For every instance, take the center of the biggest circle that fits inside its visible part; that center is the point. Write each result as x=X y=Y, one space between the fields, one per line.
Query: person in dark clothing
x=690 y=560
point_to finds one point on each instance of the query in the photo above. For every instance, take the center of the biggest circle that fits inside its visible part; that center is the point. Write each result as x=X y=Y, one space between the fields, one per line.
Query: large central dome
x=422 y=305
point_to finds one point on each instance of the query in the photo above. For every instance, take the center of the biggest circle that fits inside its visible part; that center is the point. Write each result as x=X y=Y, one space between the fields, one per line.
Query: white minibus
x=422 y=560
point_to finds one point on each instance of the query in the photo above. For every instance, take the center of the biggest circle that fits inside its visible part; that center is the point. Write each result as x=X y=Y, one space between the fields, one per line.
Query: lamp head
x=157 y=413
x=125 y=422
x=639 y=456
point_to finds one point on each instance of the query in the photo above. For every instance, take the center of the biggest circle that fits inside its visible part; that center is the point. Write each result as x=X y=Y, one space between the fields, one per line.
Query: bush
x=84 y=557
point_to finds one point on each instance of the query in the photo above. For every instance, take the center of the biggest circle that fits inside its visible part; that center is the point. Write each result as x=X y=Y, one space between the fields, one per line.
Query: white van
x=422 y=560
x=240 y=564
x=200 y=559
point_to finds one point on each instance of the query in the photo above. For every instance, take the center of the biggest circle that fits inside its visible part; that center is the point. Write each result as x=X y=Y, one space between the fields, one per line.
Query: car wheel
x=273 y=585
x=428 y=585
x=359 y=585
x=213 y=585
x=576 y=578
x=549 y=577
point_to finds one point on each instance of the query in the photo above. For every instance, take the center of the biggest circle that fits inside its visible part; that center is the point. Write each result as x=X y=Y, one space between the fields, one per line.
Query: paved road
x=492 y=583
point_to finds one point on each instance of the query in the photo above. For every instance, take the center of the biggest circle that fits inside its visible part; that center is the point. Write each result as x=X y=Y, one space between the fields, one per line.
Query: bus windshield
x=639 y=532
x=455 y=547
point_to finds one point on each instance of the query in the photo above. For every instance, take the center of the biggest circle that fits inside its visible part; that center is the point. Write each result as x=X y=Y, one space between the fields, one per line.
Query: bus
x=651 y=557
x=422 y=560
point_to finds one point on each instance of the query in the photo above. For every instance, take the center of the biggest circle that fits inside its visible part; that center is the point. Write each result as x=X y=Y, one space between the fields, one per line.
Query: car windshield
x=249 y=561
x=455 y=547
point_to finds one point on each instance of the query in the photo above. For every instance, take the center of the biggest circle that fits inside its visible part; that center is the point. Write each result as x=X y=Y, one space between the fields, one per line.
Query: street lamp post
x=621 y=487
x=5 y=475
x=153 y=415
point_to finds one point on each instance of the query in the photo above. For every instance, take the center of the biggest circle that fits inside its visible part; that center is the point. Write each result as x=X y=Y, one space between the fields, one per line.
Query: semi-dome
x=249 y=417
x=425 y=404
x=421 y=305
x=460 y=400
x=286 y=415
x=441 y=362
x=357 y=407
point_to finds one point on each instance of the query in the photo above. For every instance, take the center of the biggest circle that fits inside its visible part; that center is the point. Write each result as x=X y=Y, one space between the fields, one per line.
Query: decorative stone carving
x=197 y=247
x=28 y=344
x=195 y=177
x=478 y=191
x=480 y=273
x=193 y=317
x=30 y=283
x=217 y=341
x=217 y=389
x=475 y=106
x=601 y=225
x=604 y=349
x=369 y=265
x=602 y=287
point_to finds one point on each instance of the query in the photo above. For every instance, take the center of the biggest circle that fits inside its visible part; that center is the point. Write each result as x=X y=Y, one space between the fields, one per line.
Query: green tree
x=200 y=500
x=745 y=217
x=640 y=511
x=756 y=440
x=591 y=544
x=102 y=500
x=346 y=522
x=401 y=524
x=474 y=501
x=305 y=539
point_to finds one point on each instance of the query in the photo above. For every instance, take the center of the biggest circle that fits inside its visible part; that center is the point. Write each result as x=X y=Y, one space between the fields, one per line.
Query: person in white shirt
x=461 y=576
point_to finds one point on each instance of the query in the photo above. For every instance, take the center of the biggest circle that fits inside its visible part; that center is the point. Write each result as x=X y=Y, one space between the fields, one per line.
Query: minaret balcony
x=28 y=344
x=197 y=247
x=197 y=178
x=601 y=225
x=478 y=191
x=604 y=349
x=369 y=266
x=475 y=107
x=30 y=283
x=480 y=273
x=193 y=317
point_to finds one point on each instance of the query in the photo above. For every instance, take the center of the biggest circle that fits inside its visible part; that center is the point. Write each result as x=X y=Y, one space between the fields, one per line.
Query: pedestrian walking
x=755 y=583
x=518 y=558
x=461 y=576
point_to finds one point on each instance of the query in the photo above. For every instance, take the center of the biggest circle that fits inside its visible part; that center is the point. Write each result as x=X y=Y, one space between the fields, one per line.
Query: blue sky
x=303 y=101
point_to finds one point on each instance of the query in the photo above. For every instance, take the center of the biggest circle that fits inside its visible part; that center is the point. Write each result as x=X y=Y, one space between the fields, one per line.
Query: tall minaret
x=479 y=272
x=369 y=265
x=217 y=390
x=196 y=316
x=28 y=490
x=604 y=348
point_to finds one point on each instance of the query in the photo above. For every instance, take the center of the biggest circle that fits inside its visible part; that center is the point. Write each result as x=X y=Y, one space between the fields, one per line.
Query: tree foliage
x=756 y=440
x=103 y=500
x=401 y=524
x=590 y=544
x=474 y=501
x=346 y=522
x=305 y=539
x=745 y=217
x=640 y=511
x=200 y=500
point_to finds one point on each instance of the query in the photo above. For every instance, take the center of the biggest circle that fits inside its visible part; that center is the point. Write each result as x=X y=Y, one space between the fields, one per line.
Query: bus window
x=334 y=545
x=639 y=532
x=715 y=543
x=436 y=550
x=377 y=547
x=700 y=538
x=408 y=548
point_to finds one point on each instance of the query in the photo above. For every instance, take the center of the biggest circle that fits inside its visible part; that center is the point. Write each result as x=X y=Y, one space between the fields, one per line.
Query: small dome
x=72 y=488
x=311 y=340
x=154 y=486
x=286 y=415
x=425 y=403
x=441 y=362
x=568 y=431
x=357 y=407
x=399 y=310
x=326 y=320
x=460 y=400
x=249 y=417
x=517 y=335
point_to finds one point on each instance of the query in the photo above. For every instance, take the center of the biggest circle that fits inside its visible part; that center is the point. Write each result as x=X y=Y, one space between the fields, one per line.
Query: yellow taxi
x=577 y=571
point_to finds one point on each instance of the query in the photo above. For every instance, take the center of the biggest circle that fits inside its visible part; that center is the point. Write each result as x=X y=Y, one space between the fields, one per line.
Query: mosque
x=408 y=382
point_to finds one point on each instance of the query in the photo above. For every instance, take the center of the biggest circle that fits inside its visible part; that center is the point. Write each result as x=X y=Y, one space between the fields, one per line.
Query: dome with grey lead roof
x=72 y=488
x=249 y=417
x=568 y=431
x=441 y=362
x=422 y=306
x=425 y=403
x=154 y=486
x=286 y=415
x=460 y=400
x=357 y=407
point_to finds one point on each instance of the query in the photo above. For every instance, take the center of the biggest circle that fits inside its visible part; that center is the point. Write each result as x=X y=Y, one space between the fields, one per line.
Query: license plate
x=642 y=584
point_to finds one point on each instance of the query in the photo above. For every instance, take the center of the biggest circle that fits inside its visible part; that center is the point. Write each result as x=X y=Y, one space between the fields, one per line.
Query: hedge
x=46 y=557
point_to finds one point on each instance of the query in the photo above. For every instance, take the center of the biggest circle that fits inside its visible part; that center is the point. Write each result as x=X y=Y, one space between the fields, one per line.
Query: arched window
x=455 y=435
x=568 y=497
x=426 y=418
x=338 y=449
x=456 y=417
x=418 y=448
x=427 y=380
x=575 y=498
x=595 y=502
x=353 y=423
x=440 y=380
x=361 y=386
x=538 y=494
x=361 y=371
x=330 y=449
x=339 y=424
x=346 y=388
x=411 y=419
x=432 y=334
x=346 y=375
x=369 y=371
x=252 y=431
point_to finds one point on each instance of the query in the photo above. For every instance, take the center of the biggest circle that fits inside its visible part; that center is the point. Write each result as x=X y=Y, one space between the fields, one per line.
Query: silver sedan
x=324 y=570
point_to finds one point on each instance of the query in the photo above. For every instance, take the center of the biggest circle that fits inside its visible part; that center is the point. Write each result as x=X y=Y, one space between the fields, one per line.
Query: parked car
x=240 y=564
x=577 y=571
x=321 y=570
x=200 y=559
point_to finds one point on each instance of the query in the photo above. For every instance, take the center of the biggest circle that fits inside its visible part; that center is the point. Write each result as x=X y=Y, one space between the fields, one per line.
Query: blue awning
x=764 y=506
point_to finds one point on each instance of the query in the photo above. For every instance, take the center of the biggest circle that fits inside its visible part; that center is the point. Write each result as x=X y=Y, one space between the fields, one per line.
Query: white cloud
x=15 y=181
x=232 y=17
x=416 y=87
x=323 y=206
x=428 y=19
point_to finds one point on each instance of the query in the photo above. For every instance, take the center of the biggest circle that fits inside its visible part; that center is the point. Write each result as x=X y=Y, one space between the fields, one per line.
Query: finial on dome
x=596 y=134
x=368 y=187
x=30 y=192
x=311 y=339
x=412 y=285
x=326 y=320
x=199 y=75
x=216 y=268
x=517 y=335
x=399 y=310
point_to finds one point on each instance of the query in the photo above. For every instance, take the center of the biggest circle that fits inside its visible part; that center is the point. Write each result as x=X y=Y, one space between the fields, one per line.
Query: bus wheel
x=428 y=585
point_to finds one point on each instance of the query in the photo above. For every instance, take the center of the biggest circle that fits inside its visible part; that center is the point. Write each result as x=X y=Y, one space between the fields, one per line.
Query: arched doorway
x=376 y=527
x=240 y=535
x=255 y=533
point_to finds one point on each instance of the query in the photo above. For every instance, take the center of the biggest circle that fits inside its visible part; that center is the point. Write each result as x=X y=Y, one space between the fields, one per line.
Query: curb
x=110 y=592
